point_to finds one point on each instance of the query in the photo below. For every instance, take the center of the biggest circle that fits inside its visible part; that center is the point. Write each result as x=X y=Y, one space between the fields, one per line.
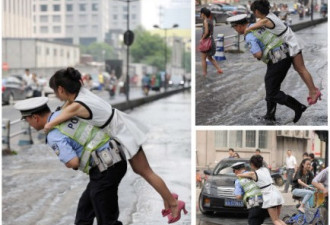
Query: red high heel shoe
x=220 y=71
x=166 y=212
x=318 y=96
x=181 y=206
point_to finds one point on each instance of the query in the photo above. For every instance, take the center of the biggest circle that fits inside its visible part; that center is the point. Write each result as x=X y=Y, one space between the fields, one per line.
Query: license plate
x=233 y=203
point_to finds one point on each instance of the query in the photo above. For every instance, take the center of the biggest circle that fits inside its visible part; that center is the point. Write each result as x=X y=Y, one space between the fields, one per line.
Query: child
x=82 y=103
x=274 y=25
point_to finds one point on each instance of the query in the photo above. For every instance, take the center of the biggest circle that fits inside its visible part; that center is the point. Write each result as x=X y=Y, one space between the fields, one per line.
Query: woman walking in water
x=208 y=33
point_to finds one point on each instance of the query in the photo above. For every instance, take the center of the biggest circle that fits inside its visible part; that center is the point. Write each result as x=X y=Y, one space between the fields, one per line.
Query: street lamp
x=165 y=29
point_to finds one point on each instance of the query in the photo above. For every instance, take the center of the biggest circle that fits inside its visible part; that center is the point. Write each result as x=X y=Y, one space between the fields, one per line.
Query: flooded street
x=237 y=97
x=39 y=190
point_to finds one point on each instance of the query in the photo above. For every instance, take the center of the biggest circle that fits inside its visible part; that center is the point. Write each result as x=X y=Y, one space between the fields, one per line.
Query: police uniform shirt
x=238 y=188
x=254 y=44
x=65 y=147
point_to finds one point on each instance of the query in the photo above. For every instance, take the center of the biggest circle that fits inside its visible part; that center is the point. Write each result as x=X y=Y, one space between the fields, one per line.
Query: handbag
x=205 y=44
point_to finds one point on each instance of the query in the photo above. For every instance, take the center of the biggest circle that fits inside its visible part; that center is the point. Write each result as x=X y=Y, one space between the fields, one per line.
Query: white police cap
x=30 y=106
x=238 y=165
x=238 y=19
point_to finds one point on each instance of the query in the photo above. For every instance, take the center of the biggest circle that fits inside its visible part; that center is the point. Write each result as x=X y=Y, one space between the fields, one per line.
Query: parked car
x=217 y=194
x=219 y=15
x=13 y=89
x=176 y=81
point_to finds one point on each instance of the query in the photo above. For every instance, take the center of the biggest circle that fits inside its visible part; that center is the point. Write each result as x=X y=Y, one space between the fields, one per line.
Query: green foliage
x=96 y=49
x=150 y=49
x=186 y=62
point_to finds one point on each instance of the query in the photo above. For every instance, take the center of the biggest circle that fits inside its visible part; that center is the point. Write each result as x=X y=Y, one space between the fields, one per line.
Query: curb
x=140 y=101
x=303 y=25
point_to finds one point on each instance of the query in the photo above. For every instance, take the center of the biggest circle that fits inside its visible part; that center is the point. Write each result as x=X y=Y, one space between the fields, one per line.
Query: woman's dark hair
x=262 y=6
x=69 y=79
x=206 y=12
x=257 y=161
x=301 y=166
x=311 y=155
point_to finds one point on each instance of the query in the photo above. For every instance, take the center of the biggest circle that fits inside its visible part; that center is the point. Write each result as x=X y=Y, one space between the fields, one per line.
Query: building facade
x=22 y=53
x=17 y=19
x=71 y=21
x=212 y=146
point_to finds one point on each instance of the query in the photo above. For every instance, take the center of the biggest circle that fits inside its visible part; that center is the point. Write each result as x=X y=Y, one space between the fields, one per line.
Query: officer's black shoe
x=270 y=115
x=297 y=107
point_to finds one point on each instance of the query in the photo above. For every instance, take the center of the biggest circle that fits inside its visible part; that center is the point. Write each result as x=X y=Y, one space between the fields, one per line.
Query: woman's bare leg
x=141 y=166
x=215 y=64
x=204 y=64
x=273 y=213
x=299 y=66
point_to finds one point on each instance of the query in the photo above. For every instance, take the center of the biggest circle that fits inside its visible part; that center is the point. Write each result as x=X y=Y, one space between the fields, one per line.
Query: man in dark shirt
x=314 y=163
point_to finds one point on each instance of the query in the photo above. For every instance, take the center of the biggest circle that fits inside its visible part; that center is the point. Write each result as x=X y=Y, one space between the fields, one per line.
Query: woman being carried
x=208 y=33
x=272 y=198
x=274 y=25
x=80 y=102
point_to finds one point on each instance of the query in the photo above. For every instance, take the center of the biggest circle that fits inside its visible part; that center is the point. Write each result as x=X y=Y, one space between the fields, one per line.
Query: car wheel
x=200 y=203
x=11 y=99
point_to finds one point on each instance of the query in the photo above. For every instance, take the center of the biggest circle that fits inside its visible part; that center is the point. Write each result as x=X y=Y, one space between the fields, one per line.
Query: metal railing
x=236 y=41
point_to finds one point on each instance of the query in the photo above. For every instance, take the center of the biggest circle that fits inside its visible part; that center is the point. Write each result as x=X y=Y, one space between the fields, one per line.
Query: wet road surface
x=39 y=190
x=237 y=96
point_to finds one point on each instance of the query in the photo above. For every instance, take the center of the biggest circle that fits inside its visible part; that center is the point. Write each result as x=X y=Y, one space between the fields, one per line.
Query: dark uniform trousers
x=256 y=215
x=274 y=77
x=100 y=198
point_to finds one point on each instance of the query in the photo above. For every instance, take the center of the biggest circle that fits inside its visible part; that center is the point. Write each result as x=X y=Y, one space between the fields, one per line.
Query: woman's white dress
x=286 y=34
x=128 y=131
x=270 y=194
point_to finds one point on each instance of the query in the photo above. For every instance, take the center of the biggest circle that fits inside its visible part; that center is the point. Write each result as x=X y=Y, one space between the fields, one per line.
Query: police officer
x=247 y=190
x=82 y=146
x=272 y=51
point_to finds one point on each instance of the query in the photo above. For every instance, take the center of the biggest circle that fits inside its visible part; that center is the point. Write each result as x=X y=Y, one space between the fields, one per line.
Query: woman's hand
x=47 y=127
x=247 y=30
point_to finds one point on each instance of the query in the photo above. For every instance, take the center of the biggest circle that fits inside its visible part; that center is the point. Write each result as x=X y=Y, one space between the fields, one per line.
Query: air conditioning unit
x=279 y=133
x=306 y=134
x=298 y=134
x=287 y=133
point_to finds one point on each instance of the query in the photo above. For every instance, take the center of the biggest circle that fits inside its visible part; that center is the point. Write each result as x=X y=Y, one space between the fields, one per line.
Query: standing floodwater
x=39 y=190
x=237 y=97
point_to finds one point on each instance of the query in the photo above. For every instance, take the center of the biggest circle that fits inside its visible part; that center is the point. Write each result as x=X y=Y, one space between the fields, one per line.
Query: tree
x=149 y=49
x=99 y=51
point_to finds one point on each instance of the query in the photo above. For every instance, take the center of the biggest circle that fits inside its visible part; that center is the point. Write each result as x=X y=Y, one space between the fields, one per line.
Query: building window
x=125 y=8
x=34 y=6
x=82 y=28
x=94 y=28
x=82 y=7
x=68 y=55
x=62 y=52
x=95 y=7
x=68 y=30
x=125 y=17
x=69 y=7
x=115 y=17
x=250 y=139
x=56 y=18
x=56 y=8
x=235 y=139
x=43 y=8
x=47 y=51
x=55 y=52
x=82 y=18
x=220 y=138
x=34 y=30
x=133 y=17
x=43 y=19
x=43 y=29
x=262 y=139
x=69 y=18
x=94 y=18
x=34 y=19
x=57 y=29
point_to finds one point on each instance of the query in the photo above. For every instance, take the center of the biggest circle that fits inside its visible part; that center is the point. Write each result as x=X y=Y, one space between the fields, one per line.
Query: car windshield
x=224 y=167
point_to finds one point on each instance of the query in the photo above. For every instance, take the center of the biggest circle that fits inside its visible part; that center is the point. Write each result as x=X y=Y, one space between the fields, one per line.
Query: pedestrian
x=257 y=151
x=271 y=50
x=130 y=133
x=320 y=181
x=100 y=197
x=305 y=155
x=301 y=185
x=291 y=167
x=247 y=190
x=273 y=24
x=208 y=28
x=236 y=155
x=35 y=86
x=314 y=163
x=88 y=81
x=231 y=153
x=272 y=198
x=112 y=85
x=101 y=80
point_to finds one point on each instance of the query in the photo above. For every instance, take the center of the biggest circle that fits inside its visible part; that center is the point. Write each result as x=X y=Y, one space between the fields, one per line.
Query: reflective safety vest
x=89 y=136
x=269 y=40
x=251 y=191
